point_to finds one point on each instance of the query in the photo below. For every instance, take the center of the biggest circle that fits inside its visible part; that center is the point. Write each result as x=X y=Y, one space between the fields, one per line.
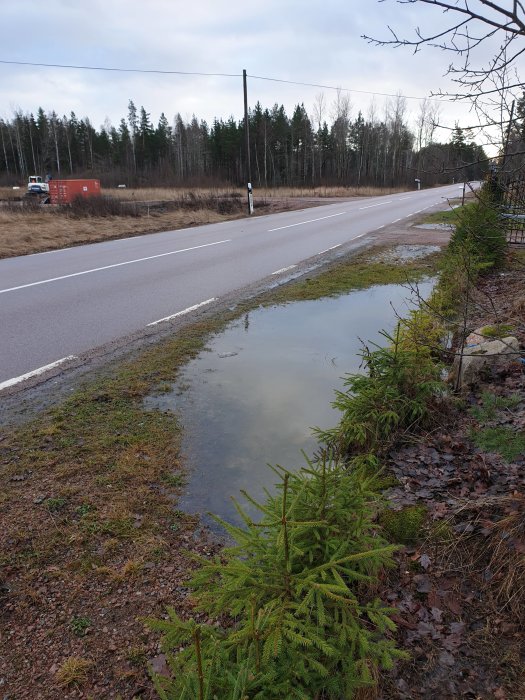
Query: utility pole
x=247 y=132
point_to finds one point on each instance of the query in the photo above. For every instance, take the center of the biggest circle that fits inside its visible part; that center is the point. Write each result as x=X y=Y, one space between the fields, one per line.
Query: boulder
x=494 y=354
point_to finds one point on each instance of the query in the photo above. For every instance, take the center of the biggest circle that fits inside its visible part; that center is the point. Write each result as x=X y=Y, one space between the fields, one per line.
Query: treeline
x=297 y=150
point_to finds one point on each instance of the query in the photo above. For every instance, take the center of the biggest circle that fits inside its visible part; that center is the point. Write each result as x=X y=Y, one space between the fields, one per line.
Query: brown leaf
x=159 y=665
x=425 y=561
x=453 y=604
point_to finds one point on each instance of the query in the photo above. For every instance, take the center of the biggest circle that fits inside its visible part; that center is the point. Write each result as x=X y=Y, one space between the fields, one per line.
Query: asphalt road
x=58 y=305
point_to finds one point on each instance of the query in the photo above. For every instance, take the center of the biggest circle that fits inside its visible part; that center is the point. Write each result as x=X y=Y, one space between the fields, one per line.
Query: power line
x=333 y=87
x=121 y=70
x=217 y=75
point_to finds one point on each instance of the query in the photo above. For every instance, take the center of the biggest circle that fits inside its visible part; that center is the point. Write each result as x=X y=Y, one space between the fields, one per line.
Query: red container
x=64 y=191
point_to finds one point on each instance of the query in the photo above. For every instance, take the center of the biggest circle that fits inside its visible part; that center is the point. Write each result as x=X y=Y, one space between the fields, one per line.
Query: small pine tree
x=397 y=394
x=295 y=588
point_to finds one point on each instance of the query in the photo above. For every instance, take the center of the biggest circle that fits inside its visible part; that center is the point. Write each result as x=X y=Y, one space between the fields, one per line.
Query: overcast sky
x=298 y=40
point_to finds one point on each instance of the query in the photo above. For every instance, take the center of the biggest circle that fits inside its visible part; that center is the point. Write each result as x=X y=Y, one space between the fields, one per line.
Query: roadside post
x=250 y=198
x=418 y=182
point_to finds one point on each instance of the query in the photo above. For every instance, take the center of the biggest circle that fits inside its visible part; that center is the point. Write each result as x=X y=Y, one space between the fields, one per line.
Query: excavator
x=38 y=188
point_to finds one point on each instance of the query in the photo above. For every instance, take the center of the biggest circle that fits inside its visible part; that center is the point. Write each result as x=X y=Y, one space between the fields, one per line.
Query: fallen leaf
x=425 y=561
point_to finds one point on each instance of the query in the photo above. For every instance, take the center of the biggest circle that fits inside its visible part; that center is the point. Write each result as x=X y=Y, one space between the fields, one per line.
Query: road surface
x=56 y=306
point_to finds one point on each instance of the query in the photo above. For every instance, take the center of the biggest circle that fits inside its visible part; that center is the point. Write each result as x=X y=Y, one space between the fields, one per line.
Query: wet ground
x=254 y=396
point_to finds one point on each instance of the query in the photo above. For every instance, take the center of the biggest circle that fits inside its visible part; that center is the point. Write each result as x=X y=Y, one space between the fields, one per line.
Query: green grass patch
x=501 y=440
x=79 y=625
x=491 y=404
x=358 y=272
x=447 y=216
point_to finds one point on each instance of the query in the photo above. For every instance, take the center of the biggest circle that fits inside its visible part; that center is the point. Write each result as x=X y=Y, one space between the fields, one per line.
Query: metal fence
x=513 y=207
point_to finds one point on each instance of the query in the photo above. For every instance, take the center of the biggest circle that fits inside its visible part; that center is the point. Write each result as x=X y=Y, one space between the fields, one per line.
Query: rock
x=496 y=354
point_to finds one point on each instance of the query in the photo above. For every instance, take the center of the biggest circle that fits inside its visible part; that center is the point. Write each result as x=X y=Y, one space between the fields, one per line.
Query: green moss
x=500 y=330
x=403 y=526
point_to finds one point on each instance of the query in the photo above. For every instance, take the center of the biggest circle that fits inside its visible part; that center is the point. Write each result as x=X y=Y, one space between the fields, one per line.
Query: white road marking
x=35 y=372
x=109 y=267
x=184 y=311
x=395 y=221
x=284 y=269
x=301 y=223
x=418 y=211
x=402 y=199
x=377 y=229
x=329 y=249
x=375 y=205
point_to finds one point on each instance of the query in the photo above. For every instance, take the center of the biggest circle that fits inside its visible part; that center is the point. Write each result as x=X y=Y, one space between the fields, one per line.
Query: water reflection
x=252 y=398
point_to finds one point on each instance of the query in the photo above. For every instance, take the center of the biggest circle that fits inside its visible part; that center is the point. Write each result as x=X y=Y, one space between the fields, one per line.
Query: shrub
x=295 y=589
x=480 y=225
x=100 y=205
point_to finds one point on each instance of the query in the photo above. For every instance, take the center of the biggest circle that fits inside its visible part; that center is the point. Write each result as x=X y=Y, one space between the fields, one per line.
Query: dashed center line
x=284 y=269
x=109 y=267
x=184 y=311
x=36 y=372
x=310 y=221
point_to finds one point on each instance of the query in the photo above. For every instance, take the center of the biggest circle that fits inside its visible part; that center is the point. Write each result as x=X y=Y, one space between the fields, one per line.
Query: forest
x=329 y=147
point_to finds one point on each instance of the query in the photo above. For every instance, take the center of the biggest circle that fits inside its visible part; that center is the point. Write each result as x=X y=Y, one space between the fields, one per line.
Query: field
x=130 y=212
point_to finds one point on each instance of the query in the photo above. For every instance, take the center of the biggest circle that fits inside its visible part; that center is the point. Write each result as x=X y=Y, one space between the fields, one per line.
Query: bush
x=99 y=205
x=296 y=591
x=479 y=224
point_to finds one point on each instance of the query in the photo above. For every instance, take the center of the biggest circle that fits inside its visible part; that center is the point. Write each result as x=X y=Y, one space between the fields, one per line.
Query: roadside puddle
x=253 y=396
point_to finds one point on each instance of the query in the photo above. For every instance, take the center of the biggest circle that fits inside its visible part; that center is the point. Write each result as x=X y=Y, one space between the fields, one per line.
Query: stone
x=496 y=354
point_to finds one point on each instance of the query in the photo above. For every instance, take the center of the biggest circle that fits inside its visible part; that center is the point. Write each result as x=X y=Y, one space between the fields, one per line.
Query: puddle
x=253 y=396
x=405 y=253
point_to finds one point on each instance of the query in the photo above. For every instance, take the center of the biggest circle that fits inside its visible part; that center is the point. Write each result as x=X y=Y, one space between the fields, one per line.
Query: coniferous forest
x=330 y=147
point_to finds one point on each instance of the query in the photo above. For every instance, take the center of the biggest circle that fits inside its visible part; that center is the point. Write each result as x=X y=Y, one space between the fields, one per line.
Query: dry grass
x=176 y=193
x=171 y=194
x=22 y=233
x=73 y=670
x=493 y=551
x=326 y=192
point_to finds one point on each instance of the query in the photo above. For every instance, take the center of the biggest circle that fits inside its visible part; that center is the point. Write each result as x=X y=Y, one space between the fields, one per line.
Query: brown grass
x=22 y=233
x=495 y=546
x=73 y=670
x=175 y=193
